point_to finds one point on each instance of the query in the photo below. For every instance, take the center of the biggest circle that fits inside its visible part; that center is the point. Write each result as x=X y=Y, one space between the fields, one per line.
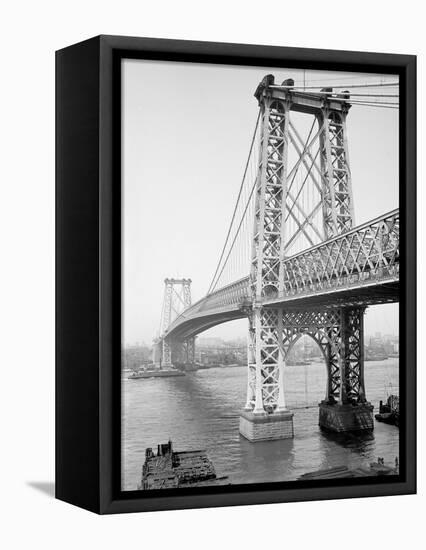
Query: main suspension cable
x=236 y=204
x=238 y=229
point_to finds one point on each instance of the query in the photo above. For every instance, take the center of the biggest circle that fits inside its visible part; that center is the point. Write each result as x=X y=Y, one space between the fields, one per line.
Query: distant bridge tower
x=177 y=297
x=273 y=330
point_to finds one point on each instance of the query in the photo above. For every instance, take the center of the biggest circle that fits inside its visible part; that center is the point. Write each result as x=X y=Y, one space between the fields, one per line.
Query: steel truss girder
x=368 y=252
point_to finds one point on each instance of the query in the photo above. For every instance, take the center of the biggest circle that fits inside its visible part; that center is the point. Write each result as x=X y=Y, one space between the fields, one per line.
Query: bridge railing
x=369 y=252
x=234 y=294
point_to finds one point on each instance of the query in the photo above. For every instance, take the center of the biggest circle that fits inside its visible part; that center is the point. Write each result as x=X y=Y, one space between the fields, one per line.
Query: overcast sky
x=186 y=134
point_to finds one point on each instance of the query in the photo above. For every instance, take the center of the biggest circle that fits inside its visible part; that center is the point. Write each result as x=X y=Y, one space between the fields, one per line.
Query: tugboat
x=389 y=412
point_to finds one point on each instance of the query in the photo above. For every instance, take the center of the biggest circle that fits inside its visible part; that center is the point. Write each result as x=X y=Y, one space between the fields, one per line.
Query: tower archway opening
x=305 y=373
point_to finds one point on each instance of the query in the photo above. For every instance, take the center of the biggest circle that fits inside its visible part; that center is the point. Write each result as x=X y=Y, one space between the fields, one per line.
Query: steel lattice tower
x=338 y=210
x=177 y=298
x=273 y=330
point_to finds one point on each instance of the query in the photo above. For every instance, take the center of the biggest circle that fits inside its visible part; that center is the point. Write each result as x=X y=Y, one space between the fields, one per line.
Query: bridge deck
x=360 y=266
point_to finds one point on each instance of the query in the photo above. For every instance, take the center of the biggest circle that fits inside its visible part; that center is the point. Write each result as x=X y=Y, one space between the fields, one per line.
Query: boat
x=378 y=468
x=389 y=412
x=155 y=372
x=168 y=469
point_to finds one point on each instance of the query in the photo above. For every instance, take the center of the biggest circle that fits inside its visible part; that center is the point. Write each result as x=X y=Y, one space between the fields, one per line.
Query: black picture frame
x=88 y=271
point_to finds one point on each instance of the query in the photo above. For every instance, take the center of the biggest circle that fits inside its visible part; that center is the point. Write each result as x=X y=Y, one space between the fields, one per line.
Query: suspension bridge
x=294 y=262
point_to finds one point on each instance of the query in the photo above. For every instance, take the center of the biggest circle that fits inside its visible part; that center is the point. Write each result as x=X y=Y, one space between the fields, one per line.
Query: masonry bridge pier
x=311 y=270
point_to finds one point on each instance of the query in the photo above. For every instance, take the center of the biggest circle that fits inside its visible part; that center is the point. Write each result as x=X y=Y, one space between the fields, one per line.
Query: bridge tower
x=273 y=330
x=177 y=297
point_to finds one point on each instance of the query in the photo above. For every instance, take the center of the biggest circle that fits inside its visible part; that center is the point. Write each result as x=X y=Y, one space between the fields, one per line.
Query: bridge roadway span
x=358 y=267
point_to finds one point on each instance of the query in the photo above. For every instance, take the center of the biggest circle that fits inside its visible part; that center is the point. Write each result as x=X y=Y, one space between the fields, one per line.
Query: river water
x=201 y=411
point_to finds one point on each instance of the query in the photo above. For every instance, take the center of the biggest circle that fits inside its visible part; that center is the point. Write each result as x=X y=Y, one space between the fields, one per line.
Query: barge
x=152 y=372
x=169 y=469
x=378 y=468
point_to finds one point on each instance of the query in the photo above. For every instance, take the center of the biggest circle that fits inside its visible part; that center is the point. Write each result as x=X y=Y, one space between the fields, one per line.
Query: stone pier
x=346 y=418
x=266 y=427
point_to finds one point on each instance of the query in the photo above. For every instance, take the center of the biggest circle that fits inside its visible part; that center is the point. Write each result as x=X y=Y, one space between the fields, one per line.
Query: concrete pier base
x=267 y=427
x=346 y=418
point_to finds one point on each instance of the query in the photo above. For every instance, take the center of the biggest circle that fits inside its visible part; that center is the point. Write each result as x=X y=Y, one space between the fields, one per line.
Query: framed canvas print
x=235 y=274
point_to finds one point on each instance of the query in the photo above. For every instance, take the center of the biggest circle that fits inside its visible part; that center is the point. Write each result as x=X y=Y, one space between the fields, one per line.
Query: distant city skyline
x=208 y=336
